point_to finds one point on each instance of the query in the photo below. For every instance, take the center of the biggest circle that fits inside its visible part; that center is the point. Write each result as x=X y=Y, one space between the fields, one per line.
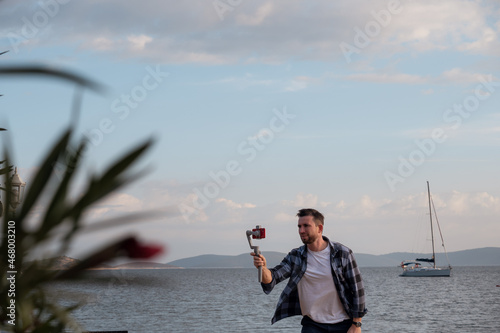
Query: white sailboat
x=414 y=268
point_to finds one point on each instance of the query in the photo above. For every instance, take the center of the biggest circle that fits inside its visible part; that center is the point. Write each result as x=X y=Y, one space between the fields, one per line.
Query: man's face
x=308 y=230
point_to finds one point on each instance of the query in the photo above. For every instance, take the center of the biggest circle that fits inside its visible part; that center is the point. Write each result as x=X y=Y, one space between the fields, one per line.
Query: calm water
x=230 y=300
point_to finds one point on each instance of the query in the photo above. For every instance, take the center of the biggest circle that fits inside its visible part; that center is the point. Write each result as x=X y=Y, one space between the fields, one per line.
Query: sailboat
x=414 y=268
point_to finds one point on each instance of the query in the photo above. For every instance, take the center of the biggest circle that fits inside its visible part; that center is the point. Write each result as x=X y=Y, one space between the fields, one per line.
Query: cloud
x=300 y=83
x=368 y=208
x=102 y=44
x=472 y=204
x=368 y=224
x=296 y=86
x=452 y=76
x=232 y=204
x=458 y=25
x=272 y=32
x=387 y=78
x=304 y=201
x=118 y=203
x=485 y=133
x=245 y=81
x=365 y=209
x=261 y=13
x=138 y=42
x=458 y=75
x=284 y=217
x=283 y=85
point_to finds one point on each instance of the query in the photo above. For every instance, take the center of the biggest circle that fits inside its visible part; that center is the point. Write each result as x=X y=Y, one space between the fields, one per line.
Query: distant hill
x=143 y=265
x=65 y=262
x=226 y=261
x=59 y=263
x=489 y=256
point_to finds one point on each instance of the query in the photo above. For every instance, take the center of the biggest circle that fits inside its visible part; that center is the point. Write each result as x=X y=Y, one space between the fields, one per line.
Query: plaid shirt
x=345 y=275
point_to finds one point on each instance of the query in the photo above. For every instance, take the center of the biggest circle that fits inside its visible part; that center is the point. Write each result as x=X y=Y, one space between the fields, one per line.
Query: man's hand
x=260 y=261
x=354 y=329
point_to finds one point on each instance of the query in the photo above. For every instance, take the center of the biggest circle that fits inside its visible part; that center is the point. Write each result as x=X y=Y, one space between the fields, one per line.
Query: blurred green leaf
x=109 y=182
x=52 y=72
x=56 y=210
x=50 y=186
x=42 y=177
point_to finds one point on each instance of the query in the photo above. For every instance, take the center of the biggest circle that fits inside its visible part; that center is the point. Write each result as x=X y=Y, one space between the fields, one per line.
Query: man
x=325 y=285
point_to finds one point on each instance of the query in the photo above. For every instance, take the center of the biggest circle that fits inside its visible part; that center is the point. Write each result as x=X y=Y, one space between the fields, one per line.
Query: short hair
x=317 y=216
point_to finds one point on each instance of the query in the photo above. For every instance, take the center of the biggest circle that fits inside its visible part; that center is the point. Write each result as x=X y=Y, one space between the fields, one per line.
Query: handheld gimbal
x=257 y=233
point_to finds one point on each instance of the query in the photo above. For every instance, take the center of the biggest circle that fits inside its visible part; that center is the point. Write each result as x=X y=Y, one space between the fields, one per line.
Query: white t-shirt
x=317 y=293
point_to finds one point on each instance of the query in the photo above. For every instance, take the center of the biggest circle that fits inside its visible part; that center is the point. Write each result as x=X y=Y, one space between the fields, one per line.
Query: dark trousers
x=310 y=326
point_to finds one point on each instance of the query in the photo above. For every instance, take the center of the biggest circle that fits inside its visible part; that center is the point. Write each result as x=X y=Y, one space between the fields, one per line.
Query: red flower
x=129 y=247
x=135 y=249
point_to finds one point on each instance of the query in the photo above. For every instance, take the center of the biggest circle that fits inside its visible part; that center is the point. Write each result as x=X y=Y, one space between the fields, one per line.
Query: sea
x=231 y=300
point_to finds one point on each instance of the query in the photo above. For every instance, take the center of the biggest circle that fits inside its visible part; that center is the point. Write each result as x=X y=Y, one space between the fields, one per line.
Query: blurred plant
x=3 y=169
x=60 y=221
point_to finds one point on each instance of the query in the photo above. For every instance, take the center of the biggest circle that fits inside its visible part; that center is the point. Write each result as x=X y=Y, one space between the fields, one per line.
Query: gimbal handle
x=255 y=250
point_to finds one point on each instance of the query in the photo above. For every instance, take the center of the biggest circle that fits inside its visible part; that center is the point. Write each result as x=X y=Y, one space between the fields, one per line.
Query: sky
x=261 y=108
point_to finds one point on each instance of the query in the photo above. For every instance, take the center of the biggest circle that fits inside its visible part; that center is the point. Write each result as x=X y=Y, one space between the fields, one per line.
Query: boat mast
x=432 y=231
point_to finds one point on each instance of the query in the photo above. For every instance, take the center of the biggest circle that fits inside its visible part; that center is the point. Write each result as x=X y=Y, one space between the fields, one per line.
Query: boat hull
x=427 y=272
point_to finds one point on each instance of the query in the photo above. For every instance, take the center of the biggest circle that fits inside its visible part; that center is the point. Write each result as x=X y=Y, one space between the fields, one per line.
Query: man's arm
x=353 y=278
x=260 y=261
